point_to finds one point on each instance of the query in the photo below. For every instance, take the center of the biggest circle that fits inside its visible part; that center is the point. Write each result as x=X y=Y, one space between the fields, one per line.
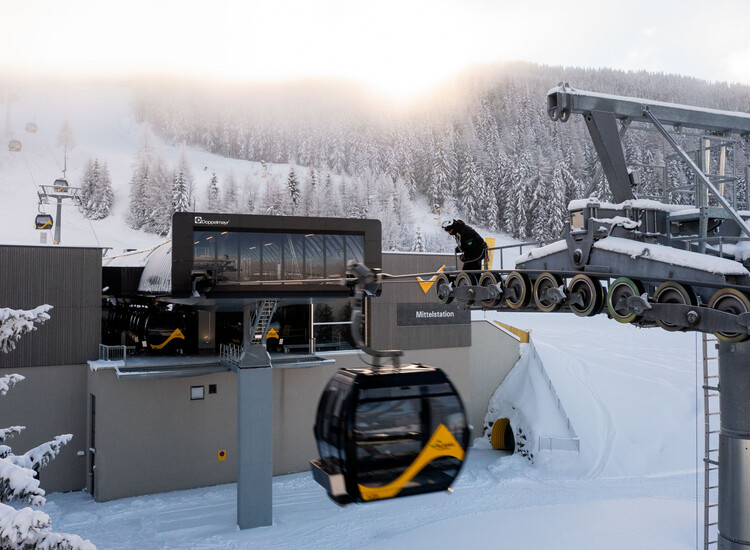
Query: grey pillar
x=734 y=446
x=254 y=434
x=58 y=221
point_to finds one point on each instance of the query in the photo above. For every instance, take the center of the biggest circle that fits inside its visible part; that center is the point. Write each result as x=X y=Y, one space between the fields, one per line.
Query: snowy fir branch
x=8 y=381
x=7 y=433
x=30 y=529
x=27 y=528
x=18 y=483
x=16 y=322
x=39 y=457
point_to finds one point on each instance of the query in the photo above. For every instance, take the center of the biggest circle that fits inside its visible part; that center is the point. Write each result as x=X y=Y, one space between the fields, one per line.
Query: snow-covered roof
x=672 y=256
x=656 y=252
x=157 y=273
x=542 y=251
x=644 y=204
x=136 y=258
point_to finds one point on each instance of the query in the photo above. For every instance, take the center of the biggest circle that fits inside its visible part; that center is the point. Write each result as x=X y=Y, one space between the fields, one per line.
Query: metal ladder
x=263 y=314
x=712 y=425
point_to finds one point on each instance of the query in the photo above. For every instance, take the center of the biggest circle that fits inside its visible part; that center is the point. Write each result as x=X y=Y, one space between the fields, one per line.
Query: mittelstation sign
x=420 y=314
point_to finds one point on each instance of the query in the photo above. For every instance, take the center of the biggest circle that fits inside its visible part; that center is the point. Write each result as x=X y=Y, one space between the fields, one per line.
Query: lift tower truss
x=59 y=191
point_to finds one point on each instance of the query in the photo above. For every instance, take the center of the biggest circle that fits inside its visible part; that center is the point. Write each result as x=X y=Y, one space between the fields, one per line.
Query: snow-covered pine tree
x=96 y=191
x=138 y=187
x=212 y=201
x=292 y=186
x=159 y=199
x=444 y=169
x=471 y=193
x=230 y=200
x=310 y=204
x=180 y=192
x=331 y=205
x=26 y=528
x=184 y=166
x=418 y=244
x=249 y=195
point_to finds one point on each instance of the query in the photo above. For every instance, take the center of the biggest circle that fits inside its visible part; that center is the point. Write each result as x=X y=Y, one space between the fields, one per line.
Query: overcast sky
x=400 y=46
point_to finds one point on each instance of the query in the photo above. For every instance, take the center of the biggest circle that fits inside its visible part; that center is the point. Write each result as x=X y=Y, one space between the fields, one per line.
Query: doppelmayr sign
x=200 y=220
x=414 y=315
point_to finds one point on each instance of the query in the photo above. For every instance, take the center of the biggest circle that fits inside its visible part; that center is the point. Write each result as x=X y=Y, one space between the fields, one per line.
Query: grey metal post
x=254 y=432
x=734 y=446
x=58 y=220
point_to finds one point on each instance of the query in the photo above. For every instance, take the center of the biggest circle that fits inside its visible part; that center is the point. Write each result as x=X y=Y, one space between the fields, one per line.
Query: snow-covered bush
x=26 y=528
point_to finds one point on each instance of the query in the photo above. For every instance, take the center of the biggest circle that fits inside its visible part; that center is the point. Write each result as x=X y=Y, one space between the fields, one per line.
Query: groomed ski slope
x=631 y=396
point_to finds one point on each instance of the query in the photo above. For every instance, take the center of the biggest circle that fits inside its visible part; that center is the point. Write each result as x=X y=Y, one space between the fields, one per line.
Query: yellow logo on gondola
x=272 y=334
x=176 y=334
x=442 y=443
x=427 y=284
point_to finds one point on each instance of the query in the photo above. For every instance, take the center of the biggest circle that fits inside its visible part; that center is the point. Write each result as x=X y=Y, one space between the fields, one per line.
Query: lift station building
x=135 y=360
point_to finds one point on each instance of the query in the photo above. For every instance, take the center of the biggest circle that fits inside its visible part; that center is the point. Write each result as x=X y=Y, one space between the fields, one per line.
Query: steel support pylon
x=734 y=446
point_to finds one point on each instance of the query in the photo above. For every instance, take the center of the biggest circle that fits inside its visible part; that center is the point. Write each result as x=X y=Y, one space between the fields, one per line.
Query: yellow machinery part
x=442 y=443
x=497 y=437
x=176 y=334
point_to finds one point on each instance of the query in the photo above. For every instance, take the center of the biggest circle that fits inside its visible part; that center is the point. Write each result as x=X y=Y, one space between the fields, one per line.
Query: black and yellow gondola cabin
x=43 y=221
x=60 y=185
x=385 y=433
x=14 y=145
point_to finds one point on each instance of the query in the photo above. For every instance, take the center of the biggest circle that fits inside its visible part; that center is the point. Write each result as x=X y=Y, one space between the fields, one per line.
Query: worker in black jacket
x=471 y=246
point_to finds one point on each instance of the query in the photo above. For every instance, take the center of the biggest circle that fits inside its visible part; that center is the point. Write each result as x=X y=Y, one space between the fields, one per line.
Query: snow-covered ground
x=631 y=395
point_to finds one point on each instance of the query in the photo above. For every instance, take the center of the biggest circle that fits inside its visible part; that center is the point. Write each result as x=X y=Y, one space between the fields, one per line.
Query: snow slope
x=631 y=396
x=104 y=128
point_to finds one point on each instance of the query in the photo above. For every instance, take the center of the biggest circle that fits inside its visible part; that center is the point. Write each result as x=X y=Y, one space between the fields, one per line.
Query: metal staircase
x=712 y=421
x=263 y=314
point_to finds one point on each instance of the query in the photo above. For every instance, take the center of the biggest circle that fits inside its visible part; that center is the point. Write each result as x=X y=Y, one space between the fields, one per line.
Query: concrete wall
x=150 y=437
x=51 y=401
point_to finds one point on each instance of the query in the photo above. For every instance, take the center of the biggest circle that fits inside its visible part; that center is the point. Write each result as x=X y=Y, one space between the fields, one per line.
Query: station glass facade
x=237 y=257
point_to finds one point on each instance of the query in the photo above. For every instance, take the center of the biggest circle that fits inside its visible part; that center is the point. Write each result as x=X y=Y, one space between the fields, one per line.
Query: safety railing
x=553 y=443
x=549 y=443
x=230 y=354
x=114 y=353
x=499 y=252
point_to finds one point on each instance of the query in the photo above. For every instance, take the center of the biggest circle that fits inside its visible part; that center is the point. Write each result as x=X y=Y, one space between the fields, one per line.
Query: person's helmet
x=447 y=223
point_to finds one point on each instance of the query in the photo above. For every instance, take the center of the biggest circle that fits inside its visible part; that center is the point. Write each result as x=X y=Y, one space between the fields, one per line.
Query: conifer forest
x=481 y=147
